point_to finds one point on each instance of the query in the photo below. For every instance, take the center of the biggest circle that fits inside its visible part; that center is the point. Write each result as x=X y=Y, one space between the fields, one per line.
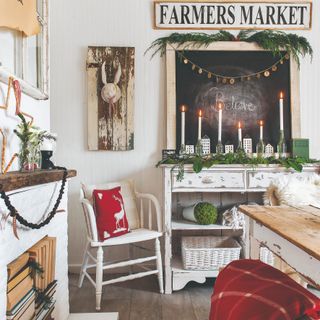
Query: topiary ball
x=205 y=213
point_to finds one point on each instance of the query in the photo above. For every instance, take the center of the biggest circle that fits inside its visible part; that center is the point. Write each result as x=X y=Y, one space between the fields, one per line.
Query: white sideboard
x=216 y=180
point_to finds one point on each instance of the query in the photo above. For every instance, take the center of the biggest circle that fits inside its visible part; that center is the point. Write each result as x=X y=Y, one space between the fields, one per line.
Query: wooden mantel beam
x=17 y=180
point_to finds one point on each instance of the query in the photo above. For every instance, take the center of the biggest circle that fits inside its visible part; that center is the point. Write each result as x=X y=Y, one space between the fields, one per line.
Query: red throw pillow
x=253 y=290
x=110 y=213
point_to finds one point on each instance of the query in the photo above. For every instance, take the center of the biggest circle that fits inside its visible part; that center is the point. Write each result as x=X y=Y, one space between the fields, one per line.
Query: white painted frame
x=223 y=46
x=41 y=92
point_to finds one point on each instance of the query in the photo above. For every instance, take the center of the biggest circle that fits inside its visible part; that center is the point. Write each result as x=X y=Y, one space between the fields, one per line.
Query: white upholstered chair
x=141 y=226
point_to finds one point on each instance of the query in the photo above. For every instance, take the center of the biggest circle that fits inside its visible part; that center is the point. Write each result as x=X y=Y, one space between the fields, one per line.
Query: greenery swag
x=274 y=41
x=200 y=162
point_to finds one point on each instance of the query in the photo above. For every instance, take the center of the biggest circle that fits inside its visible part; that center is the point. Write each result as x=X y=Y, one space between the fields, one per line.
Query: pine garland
x=274 y=41
x=200 y=162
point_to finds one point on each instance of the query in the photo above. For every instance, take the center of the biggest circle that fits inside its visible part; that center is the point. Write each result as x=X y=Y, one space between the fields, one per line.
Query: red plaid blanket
x=253 y=290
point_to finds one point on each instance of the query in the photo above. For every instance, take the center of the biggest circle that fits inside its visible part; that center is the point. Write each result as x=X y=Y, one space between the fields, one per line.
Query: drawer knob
x=207 y=180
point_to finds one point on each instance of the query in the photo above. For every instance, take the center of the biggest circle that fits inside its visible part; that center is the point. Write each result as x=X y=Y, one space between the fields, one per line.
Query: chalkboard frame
x=223 y=46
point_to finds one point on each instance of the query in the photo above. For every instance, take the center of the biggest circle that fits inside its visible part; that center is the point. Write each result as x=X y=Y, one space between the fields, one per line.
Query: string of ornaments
x=219 y=78
x=16 y=215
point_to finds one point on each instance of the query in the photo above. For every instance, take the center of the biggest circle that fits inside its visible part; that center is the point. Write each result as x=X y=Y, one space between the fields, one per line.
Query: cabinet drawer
x=261 y=180
x=232 y=180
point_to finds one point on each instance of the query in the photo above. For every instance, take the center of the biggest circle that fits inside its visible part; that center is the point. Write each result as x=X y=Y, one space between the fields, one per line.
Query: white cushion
x=128 y=196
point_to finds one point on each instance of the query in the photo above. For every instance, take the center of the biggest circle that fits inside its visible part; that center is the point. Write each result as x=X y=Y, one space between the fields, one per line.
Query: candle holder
x=219 y=148
x=260 y=148
x=199 y=149
x=182 y=150
x=282 y=147
x=240 y=150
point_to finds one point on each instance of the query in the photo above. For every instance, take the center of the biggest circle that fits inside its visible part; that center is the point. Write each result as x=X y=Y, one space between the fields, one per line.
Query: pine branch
x=193 y=39
x=274 y=41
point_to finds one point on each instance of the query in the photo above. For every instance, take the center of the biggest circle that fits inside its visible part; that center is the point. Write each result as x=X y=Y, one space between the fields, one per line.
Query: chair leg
x=99 y=278
x=131 y=257
x=159 y=265
x=84 y=265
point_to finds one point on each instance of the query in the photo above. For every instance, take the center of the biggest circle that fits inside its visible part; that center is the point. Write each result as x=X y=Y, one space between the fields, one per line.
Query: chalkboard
x=245 y=101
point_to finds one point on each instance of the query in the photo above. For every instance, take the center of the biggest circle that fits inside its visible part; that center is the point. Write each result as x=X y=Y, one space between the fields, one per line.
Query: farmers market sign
x=232 y=15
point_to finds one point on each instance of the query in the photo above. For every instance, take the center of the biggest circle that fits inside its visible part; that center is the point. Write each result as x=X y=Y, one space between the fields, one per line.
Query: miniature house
x=247 y=144
x=269 y=150
x=189 y=149
x=229 y=148
x=205 y=142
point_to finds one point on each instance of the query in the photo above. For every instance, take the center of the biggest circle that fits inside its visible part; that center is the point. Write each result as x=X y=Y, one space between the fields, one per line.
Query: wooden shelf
x=16 y=180
x=186 y=225
x=177 y=267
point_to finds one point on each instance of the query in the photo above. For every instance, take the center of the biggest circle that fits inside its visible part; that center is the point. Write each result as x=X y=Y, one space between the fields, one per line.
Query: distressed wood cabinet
x=214 y=182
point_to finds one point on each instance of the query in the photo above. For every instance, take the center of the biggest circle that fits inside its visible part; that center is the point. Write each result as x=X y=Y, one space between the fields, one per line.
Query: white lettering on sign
x=232 y=15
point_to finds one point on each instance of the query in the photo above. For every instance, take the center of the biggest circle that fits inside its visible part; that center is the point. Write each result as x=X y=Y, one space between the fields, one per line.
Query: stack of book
x=44 y=254
x=45 y=308
x=20 y=292
x=30 y=293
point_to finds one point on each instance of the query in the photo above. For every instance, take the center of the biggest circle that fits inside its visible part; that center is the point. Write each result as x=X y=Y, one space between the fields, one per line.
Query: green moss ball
x=206 y=213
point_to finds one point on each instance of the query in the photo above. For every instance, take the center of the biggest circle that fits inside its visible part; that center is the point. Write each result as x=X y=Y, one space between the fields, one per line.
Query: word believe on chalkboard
x=232 y=15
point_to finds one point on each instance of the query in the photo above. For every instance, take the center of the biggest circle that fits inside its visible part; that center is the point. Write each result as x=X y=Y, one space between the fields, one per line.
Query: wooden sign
x=110 y=72
x=260 y=15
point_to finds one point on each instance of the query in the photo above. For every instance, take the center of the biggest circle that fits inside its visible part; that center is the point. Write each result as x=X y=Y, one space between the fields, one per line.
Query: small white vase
x=188 y=213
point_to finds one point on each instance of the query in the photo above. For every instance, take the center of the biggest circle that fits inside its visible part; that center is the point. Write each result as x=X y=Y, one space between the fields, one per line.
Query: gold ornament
x=232 y=81
x=217 y=79
x=248 y=78
x=200 y=71
x=193 y=66
x=224 y=80
x=258 y=75
x=281 y=61
x=266 y=74
x=274 y=68
x=185 y=61
x=209 y=75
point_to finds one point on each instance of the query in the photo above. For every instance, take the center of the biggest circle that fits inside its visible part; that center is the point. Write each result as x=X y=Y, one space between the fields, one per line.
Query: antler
x=117 y=75
x=103 y=73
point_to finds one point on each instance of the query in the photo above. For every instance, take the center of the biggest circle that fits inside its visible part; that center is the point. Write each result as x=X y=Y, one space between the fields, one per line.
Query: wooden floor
x=140 y=300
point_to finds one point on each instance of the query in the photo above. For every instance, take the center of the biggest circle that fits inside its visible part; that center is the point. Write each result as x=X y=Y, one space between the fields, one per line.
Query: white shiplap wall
x=78 y=24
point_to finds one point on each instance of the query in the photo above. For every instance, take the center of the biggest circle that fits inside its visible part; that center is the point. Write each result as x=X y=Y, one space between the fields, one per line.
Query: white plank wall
x=129 y=23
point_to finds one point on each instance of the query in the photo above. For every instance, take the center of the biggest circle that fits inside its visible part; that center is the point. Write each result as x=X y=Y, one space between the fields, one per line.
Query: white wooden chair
x=144 y=232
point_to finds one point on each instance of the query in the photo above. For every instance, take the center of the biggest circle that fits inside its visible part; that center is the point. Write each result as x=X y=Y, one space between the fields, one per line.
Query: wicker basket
x=266 y=256
x=208 y=253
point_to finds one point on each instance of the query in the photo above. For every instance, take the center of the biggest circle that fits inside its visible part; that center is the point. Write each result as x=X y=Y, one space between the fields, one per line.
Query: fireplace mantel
x=34 y=194
x=17 y=180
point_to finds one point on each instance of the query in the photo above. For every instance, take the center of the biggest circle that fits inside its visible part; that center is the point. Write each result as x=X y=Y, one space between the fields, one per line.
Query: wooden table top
x=300 y=226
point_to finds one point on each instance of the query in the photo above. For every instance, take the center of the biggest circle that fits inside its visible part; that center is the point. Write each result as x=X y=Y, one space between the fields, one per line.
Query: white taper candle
x=220 y=122
x=281 y=111
x=183 y=124
x=199 y=124
x=239 y=131
x=261 y=130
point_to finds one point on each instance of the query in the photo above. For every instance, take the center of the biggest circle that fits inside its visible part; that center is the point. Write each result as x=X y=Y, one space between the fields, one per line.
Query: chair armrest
x=152 y=199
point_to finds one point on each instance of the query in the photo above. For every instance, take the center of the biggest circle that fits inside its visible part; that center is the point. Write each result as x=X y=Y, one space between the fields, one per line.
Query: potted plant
x=203 y=213
x=31 y=138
